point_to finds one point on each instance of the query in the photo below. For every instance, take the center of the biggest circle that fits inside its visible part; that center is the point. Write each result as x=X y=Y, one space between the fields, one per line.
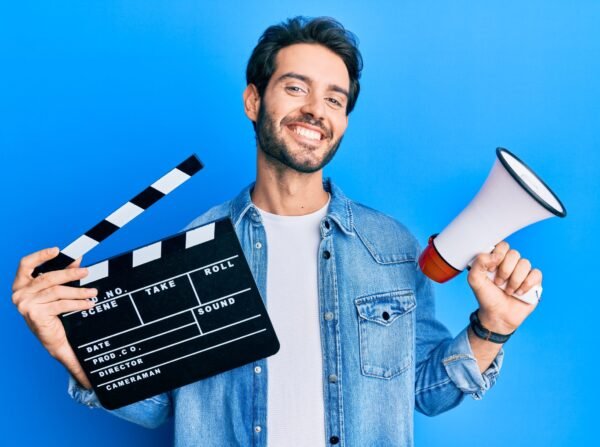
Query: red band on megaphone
x=434 y=266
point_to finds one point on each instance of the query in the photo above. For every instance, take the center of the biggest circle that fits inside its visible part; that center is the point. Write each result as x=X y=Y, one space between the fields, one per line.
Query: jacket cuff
x=83 y=395
x=462 y=368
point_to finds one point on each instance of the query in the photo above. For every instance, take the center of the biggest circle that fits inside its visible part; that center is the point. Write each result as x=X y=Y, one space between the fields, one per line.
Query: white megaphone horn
x=511 y=198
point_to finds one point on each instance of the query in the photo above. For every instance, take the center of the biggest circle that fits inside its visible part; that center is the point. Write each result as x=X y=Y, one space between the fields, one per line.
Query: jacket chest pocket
x=386 y=330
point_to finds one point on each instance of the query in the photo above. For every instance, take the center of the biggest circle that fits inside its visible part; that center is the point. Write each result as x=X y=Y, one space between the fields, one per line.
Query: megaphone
x=511 y=198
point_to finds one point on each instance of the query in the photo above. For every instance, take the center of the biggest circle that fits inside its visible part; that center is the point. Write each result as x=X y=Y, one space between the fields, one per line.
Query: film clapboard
x=166 y=314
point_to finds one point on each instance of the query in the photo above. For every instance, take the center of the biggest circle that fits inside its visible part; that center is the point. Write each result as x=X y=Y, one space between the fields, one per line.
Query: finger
x=56 y=308
x=506 y=267
x=501 y=249
x=489 y=262
x=534 y=278
x=56 y=293
x=484 y=263
x=32 y=260
x=29 y=262
x=76 y=263
x=518 y=275
x=56 y=277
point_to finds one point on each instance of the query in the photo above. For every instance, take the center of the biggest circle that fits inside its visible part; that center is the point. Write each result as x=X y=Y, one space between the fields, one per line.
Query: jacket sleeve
x=446 y=369
x=149 y=413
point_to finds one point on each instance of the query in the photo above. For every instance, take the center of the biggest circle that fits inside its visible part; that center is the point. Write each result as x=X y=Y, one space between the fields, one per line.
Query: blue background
x=98 y=99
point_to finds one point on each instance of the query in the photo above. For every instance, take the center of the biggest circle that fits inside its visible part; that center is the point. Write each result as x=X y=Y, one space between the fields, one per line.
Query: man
x=360 y=346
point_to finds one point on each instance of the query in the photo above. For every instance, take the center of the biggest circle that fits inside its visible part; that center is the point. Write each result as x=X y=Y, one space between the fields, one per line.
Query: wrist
x=495 y=324
x=477 y=328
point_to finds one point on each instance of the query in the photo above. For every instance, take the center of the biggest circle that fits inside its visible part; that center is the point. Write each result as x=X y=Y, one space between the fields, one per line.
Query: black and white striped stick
x=126 y=213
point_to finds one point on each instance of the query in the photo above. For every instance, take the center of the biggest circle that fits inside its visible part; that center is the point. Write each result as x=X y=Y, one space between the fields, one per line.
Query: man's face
x=302 y=114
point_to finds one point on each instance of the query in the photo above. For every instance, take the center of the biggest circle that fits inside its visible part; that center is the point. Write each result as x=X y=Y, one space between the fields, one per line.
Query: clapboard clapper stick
x=125 y=214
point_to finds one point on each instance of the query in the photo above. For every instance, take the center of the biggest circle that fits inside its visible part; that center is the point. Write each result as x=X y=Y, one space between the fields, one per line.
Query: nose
x=314 y=106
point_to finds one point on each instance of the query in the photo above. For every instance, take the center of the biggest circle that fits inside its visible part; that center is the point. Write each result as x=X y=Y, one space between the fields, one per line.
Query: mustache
x=307 y=119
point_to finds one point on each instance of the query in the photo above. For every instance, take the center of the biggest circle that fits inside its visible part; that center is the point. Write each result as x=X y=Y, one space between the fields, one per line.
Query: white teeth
x=311 y=134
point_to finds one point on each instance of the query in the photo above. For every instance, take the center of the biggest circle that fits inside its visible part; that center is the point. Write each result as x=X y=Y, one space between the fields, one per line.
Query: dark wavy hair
x=320 y=30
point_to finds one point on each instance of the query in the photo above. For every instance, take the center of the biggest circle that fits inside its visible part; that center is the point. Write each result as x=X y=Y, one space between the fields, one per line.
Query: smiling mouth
x=309 y=134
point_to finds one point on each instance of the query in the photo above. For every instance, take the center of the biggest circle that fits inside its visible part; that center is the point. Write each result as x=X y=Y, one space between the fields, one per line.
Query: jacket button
x=328 y=316
x=385 y=316
x=258 y=429
x=332 y=378
x=258 y=245
x=327 y=224
x=257 y=369
x=334 y=440
x=326 y=254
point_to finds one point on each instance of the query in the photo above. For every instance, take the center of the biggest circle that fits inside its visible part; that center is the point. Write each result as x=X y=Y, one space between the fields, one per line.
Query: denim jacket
x=384 y=353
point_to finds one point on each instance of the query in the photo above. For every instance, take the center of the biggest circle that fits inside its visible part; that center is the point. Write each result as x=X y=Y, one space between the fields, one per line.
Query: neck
x=281 y=190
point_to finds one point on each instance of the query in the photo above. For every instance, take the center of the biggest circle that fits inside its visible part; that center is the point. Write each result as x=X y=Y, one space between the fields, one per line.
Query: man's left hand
x=499 y=311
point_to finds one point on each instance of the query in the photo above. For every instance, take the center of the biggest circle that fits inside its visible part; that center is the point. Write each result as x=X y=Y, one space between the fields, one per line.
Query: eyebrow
x=292 y=75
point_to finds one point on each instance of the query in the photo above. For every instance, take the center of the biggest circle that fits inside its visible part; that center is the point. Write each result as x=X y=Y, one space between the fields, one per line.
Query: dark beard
x=276 y=148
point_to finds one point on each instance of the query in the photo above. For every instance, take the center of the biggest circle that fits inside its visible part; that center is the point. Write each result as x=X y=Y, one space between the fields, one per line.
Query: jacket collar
x=339 y=211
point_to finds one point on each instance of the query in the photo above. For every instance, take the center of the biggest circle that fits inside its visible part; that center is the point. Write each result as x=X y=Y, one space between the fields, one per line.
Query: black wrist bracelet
x=482 y=332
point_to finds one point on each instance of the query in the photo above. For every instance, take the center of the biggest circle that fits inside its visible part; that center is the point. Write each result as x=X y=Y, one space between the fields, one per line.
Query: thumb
x=484 y=263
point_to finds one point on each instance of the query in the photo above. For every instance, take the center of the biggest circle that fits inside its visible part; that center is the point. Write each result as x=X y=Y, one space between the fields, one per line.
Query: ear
x=251 y=102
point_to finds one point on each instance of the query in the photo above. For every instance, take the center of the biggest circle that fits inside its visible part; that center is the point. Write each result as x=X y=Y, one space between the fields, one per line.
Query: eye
x=294 y=89
x=335 y=102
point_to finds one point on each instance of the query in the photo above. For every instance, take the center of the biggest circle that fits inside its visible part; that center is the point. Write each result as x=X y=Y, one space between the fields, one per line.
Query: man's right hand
x=41 y=300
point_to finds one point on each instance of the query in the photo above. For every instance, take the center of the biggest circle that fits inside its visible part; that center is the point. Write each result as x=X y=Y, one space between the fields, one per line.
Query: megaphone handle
x=532 y=296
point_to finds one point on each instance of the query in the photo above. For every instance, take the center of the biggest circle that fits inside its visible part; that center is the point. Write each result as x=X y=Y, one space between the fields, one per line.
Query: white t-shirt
x=295 y=411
